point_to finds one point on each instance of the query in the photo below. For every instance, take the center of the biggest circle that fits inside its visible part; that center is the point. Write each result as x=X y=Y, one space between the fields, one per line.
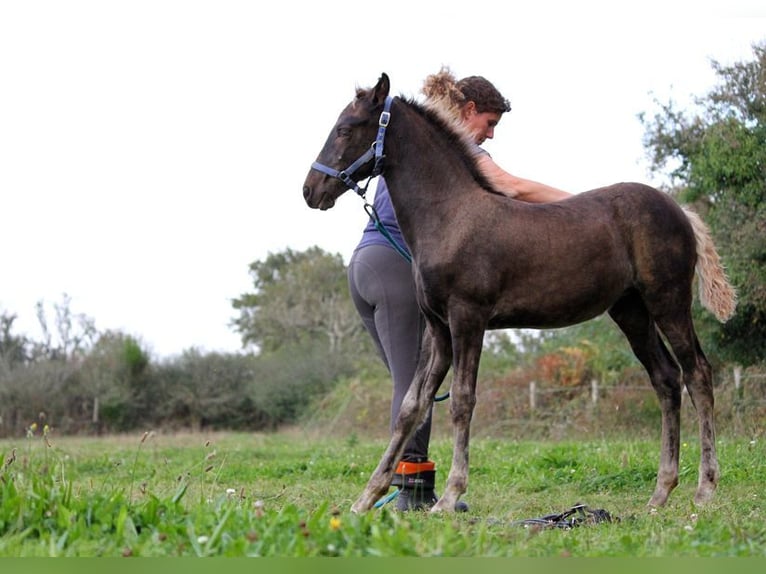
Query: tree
x=114 y=382
x=598 y=345
x=715 y=157
x=209 y=391
x=13 y=348
x=298 y=296
x=74 y=333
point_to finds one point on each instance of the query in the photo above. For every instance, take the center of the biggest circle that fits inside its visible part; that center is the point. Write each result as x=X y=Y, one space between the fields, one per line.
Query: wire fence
x=751 y=384
x=535 y=410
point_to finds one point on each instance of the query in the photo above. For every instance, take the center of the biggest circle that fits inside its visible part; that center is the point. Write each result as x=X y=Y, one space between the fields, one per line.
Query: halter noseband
x=374 y=152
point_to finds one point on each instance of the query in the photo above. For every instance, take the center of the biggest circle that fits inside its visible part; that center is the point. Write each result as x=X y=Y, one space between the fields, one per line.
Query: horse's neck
x=425 y=173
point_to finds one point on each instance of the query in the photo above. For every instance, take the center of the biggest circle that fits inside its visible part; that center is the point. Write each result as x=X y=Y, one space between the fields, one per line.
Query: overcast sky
x=151 y=150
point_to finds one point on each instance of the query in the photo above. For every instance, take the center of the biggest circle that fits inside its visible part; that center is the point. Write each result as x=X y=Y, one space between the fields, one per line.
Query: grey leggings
x=383 y=292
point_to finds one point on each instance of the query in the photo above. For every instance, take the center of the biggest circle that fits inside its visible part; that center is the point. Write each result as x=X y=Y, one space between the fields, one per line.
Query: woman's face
x=481 y=126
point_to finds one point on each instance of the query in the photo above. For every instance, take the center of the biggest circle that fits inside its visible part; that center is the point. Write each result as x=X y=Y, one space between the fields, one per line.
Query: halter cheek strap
x=374 y=152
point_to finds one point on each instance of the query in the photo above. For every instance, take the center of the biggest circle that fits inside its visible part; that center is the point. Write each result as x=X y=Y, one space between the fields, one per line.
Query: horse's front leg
x=432 y=367
x=467 y=352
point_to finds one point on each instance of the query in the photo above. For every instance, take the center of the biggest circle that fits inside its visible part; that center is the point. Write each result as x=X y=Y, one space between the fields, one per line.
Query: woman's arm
x=517 y=187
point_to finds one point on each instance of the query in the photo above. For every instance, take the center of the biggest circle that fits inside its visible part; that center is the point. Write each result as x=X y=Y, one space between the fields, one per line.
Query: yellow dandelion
x=335 y=523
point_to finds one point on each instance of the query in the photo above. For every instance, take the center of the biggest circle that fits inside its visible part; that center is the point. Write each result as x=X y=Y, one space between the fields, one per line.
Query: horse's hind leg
x=634 y=320
x=698 y=378
x=432 y=368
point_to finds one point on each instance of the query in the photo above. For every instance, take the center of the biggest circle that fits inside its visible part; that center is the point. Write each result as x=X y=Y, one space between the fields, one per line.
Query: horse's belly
x=532 y=320
x=550 y=309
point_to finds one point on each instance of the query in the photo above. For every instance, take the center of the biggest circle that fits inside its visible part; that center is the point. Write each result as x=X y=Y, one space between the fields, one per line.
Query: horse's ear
x=381 y=89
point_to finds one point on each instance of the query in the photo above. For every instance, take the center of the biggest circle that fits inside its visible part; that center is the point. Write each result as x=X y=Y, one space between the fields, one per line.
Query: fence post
x=737 y=376
x=594 y=391
x=94 y=417
x=532 y=398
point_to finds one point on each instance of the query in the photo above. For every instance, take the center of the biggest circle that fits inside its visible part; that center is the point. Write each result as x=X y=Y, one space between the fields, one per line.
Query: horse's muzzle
x=322 y=201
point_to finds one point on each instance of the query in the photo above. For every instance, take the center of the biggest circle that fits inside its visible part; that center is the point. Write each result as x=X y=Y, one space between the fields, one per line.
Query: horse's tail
x=716 y=293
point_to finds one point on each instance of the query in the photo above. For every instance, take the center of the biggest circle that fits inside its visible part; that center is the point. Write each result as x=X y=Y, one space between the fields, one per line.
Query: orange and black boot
x=416 y=481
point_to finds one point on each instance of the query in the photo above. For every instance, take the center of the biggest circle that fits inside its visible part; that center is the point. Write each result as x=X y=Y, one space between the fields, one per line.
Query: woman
x=381 y=282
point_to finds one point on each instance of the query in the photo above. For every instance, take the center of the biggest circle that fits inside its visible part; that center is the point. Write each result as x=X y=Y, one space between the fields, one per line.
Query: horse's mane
x=450 y=129
x=457 y=138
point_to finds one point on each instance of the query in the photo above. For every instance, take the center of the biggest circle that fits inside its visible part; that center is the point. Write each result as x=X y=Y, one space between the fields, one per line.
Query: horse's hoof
x=704 y=496
x=362 y=505
x=659 y=498
x=357 y=508
x=442 y=506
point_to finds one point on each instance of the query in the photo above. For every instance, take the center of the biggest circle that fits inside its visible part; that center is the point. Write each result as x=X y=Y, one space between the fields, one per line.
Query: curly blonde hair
x=447 y=95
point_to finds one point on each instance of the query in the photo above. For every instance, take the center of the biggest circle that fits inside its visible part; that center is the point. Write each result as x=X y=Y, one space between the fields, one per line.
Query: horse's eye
x=344 y=131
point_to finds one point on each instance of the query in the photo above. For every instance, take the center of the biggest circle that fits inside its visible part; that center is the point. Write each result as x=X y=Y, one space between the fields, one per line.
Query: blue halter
x=374 y=152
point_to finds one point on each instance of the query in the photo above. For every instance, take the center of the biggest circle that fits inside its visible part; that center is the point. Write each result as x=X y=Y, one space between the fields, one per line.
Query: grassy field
x=288 y=495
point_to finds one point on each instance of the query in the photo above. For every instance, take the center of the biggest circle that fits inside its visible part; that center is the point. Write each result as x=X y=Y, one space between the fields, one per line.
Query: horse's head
x=353 y=150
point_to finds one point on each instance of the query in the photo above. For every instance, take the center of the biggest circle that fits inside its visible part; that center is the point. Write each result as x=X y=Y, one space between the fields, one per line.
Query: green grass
x=288 y=495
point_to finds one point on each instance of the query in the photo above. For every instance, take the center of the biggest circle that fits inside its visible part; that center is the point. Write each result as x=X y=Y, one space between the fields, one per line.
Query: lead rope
x=380 y=227
x=386 y=499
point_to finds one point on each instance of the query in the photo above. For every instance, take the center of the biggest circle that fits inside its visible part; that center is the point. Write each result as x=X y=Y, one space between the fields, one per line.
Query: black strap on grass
x=578 y=515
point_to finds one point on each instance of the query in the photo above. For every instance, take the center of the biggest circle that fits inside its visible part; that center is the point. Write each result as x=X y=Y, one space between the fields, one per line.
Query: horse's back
x=657 y=235
x=631 y=199
x=603 y=242
x=643 y=215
